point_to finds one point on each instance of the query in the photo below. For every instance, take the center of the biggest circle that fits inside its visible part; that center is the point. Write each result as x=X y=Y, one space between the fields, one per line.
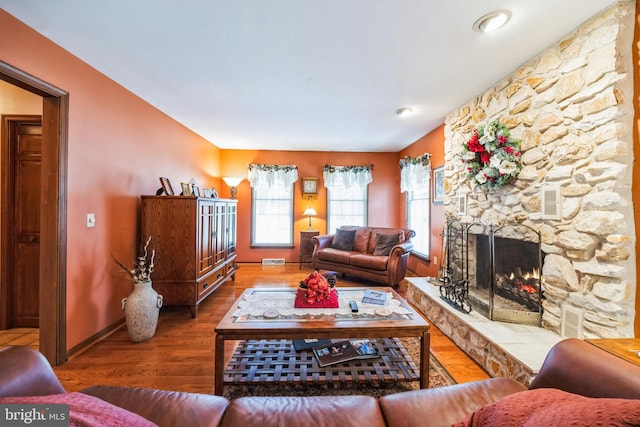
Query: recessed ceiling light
x=402 y=112
x=492 y=21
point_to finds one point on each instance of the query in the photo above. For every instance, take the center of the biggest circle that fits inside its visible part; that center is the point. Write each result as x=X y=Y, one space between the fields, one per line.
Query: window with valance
x=347 y=195
x=415 y=180
x=272 y=204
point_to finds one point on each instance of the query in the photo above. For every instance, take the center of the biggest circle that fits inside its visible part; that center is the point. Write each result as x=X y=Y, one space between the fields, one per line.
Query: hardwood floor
x=180 y=356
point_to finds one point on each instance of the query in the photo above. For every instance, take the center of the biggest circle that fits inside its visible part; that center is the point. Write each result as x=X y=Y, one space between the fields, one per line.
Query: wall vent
x=572 y=320
x=272 y=261
x=550 y=196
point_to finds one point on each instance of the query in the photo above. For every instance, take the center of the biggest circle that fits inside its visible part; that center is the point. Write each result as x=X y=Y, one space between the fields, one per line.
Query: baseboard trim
x=94 y=339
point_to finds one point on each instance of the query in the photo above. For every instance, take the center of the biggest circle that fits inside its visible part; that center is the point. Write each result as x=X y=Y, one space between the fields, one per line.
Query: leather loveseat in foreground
x=576 y=382
x=375 y=253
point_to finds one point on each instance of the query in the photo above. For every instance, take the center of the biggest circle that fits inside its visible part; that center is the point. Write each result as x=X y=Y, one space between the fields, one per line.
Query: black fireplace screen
x=499 y=269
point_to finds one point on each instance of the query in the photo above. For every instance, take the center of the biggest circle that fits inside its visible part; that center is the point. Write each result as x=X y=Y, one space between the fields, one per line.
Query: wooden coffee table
x=268 y=325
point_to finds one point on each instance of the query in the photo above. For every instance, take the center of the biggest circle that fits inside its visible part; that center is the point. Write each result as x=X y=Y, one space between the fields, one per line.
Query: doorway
x=52 y=199
x=21 y=166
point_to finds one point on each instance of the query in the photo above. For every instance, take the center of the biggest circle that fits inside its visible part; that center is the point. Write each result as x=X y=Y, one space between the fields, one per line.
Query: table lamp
x=233 y=183
x=310 y=212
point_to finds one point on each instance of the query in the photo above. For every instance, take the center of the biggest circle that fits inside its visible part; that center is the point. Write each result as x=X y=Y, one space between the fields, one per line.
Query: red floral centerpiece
x=491 y=157
x=316 y=291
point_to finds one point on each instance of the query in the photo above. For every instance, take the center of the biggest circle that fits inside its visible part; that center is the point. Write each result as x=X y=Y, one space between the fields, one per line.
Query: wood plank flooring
x=180 y=356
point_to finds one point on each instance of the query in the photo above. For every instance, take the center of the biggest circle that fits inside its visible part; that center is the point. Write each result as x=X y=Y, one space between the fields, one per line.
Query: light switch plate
x=91 y=220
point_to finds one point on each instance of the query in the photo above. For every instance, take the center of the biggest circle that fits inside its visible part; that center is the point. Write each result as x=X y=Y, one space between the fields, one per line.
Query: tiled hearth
x=502 y=349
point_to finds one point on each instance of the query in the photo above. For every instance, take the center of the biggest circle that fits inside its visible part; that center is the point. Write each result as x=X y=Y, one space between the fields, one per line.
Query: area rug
x=438 y=377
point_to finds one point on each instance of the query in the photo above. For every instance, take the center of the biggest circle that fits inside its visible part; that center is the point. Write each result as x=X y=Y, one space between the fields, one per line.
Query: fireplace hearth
x=495 y=271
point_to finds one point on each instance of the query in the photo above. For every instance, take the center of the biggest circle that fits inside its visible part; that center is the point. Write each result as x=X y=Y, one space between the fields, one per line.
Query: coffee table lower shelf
x=260 y=362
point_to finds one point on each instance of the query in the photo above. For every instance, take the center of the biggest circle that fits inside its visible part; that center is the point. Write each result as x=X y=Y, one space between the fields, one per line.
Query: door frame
x=53 y=213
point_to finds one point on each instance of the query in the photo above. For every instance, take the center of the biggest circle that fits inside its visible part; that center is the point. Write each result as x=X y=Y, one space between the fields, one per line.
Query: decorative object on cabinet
x=309 y=187
x=310 y=212
x=195 y=191
x=438 y=185
x=196 y=239
x=232 y=182
x=306 y=246
x=142 y=306
x=166 y=186
x=186 y=189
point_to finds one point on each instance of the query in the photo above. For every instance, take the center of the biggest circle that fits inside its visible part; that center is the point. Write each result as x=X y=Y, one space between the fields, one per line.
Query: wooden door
x=24 y=164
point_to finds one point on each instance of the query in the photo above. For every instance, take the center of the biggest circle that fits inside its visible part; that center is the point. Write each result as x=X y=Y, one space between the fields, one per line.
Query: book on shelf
x=343 y=351
x=374 y=297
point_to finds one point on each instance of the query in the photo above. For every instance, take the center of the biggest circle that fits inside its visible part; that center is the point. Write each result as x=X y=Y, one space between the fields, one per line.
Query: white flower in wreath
x=507 y=167
x=469 y=155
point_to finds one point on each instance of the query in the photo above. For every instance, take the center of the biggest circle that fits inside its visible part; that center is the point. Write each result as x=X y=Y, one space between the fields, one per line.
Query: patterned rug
x=438 y=377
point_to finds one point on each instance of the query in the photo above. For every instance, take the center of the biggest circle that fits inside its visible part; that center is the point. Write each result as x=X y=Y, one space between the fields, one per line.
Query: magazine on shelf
x=343 y=351
x=307 y=344
x=374 y=297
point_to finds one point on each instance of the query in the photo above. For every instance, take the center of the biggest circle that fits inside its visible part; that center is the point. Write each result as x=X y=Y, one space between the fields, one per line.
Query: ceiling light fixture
x=492 y=21
x=402 y=112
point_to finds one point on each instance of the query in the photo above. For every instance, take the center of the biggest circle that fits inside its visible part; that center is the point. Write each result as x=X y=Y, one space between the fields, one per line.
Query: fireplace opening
x=502 y=271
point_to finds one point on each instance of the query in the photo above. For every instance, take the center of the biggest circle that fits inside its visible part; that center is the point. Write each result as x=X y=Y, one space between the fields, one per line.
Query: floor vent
x=572 y=319
x=272 y=261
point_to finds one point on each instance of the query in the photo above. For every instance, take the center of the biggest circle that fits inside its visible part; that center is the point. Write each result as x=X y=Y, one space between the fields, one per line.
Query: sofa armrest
x=165 y=408
x=401 y=249
x=578 y=367
x=26 y=372
x=321 y=242
x=443 y=406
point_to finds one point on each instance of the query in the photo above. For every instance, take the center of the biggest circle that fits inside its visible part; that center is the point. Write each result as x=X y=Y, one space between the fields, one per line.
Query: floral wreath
x=491 y=158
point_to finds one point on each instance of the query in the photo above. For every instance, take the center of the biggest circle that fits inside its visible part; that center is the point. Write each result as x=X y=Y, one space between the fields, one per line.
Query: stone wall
x=572 y=109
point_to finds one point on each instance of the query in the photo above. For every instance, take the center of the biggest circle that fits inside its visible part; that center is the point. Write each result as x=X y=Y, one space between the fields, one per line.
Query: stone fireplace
x=571 y=107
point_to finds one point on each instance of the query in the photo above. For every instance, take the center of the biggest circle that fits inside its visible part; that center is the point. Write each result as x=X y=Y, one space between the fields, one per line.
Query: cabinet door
x=206 y=236
x=220 y=233
x=231 y=228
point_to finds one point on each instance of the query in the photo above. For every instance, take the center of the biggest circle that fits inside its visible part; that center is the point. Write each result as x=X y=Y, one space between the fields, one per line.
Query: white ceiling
x=322 y=75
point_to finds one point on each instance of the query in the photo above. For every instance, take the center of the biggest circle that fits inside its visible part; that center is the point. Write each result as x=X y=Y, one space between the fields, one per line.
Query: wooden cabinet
x=306 y=246
x=195 y=243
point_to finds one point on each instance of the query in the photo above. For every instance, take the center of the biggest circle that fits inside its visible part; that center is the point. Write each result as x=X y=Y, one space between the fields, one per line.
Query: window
x=415 y=180
x=272 y=209
x=418 y=219
x=347 y=197
x=272 y=204
x=346 y=206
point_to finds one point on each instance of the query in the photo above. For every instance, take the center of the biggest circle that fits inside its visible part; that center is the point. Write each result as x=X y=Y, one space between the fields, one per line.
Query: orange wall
x=433 y=143
x=384 y=193
x=118 y=147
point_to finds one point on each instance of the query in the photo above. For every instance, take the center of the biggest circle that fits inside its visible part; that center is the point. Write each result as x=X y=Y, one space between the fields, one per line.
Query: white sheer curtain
x=260 y=175
x=347 y=176
x=415 y=172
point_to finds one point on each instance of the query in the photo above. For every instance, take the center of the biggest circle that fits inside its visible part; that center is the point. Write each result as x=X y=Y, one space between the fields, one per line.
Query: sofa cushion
x=546 y=406
x=385 y=242
x=343 y=239
x=376 y=231
x=85 y=410
x=372 y=262
x=307 y=411
x=361 y=242
x=334 y=255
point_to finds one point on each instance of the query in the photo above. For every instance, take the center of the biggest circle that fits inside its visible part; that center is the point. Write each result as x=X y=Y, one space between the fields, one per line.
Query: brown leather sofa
x=572 y=365
x=364 y=258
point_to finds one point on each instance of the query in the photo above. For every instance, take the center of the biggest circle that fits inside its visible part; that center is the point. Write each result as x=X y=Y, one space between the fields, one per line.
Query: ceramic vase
x=141 y=309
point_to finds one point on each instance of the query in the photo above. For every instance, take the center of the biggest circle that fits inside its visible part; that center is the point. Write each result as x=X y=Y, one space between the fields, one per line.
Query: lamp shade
x=310 y=212
x=232 y=181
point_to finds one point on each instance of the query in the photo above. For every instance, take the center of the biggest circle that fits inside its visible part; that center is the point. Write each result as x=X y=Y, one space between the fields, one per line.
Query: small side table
x=625 y=348
x=306 y=245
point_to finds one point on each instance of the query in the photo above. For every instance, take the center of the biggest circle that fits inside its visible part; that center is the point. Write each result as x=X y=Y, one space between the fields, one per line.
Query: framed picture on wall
x=438 y=185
